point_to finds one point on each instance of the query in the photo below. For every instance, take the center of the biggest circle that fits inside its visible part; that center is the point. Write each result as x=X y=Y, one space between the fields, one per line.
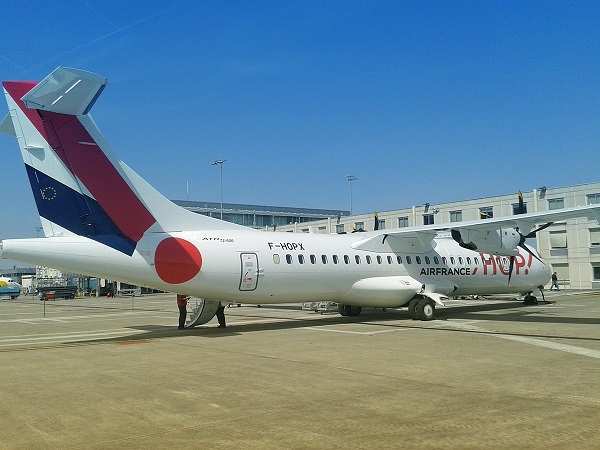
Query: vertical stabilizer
x=79 y=186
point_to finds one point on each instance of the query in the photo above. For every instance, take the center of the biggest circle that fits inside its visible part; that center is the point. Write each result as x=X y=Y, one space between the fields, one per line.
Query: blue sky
x=422 y=101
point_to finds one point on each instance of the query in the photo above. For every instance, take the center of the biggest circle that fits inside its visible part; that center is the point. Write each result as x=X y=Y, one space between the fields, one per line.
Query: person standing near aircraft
x=221 y=316
x=182 y=305
x=554 y=282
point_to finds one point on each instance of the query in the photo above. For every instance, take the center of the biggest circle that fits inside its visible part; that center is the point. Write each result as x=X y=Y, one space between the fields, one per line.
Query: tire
x=412 y=308
x=353 y=311
x=425 y=309
x=341 y=309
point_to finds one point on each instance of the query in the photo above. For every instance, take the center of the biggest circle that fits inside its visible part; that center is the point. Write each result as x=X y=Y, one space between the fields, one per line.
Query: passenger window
x=301 y=259
x=276 y=258
x=427 y=260
x=379 y=259
x=368 y=258
x=399 y=259
x=408 y=260
x=418 y=259
x=389 y=258
x=313 y=259
x=288 y=258
x=476 y=261
x=357 y=259
x=460 y=260
x=468 y=260
x=346 y=259
x=335 y=259
x=324 y=259
x=444 y=262
x=436 y=260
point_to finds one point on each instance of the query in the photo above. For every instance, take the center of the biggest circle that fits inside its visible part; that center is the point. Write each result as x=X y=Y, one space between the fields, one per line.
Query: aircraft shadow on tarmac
x=515 y=311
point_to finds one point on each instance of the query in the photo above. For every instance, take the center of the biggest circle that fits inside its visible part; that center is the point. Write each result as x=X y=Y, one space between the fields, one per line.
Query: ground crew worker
x=221 y=316
x=182 y=305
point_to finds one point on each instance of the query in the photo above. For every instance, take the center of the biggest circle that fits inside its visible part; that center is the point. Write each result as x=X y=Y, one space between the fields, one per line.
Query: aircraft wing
x=418 y=239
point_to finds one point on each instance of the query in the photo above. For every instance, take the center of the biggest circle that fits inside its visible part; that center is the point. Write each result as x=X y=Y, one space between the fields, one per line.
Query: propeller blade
x=532 y=234
x=510 y=268
x=528 y=250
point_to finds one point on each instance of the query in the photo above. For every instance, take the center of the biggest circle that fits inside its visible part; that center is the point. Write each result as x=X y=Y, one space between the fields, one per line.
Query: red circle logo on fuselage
x=177 y=260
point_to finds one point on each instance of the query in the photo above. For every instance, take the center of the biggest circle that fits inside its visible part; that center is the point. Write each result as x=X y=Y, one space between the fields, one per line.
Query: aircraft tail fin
x=79 y=185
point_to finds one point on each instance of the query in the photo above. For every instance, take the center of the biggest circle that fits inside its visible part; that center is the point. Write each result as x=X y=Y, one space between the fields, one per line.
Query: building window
x=595 y=237
x=558 y=239
x=486 y=212
x=596 y=273
x=455 y=216
x=402 y=222
x=556 y=203
x=593 y=199
x=339 y=228
x=516 y=211
x=382 y=224
x=428 y=219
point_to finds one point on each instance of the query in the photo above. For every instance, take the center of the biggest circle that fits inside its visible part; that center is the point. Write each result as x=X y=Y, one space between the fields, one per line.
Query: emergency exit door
x=249 y=272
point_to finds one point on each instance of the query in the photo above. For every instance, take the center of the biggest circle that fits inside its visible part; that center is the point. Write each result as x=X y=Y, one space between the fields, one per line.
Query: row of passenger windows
x=346 y=259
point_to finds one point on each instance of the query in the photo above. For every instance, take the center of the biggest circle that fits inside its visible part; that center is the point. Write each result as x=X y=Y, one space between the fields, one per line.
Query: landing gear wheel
x=530 y=300
x=412 y=308
x=342 y=309
x=425 y=309
x=352 y=310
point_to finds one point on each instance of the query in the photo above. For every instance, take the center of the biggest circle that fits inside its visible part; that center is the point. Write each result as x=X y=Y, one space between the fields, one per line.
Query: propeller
x=455 y=233
x=521 y=244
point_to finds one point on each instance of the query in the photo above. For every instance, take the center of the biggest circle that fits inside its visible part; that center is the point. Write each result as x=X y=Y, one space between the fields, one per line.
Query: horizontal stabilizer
x=7 y=127
x=66 y=91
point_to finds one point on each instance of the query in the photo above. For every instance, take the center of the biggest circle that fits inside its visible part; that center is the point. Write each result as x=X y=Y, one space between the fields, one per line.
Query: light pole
x=220 y=162
x=350 y=179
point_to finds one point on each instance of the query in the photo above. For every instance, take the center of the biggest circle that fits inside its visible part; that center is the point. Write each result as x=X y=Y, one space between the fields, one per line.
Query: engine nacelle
x=382 y=292
x=502 y=241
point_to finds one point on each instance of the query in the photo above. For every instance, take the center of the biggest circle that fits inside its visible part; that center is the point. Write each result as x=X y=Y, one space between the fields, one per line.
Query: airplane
x=9 y=288
x=101 y=218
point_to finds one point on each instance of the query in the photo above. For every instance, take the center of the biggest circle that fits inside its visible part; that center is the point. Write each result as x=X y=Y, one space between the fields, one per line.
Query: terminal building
x=571 y=247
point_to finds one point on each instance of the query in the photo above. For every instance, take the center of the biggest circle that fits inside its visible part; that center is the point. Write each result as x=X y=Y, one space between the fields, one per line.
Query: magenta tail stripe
x=89 y=164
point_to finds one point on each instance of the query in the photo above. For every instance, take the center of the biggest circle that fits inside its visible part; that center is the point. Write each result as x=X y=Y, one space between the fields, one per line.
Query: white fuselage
x=256 y=267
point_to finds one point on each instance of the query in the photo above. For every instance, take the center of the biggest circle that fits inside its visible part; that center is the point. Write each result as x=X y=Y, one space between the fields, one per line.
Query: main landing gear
x=421 y=309
x=349 y=310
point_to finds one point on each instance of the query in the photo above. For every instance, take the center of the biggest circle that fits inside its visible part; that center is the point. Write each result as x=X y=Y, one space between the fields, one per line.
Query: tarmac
x=100 y=373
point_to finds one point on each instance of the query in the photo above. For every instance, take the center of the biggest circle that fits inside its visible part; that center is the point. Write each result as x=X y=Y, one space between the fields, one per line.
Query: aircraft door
x=249 y=272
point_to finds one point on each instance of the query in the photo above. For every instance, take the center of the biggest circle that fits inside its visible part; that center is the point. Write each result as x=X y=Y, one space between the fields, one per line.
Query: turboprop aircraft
x=101 y=218
x=9 y=288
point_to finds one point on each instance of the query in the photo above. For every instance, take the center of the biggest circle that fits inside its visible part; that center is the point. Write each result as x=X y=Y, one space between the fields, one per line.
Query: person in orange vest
x=182 y=305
